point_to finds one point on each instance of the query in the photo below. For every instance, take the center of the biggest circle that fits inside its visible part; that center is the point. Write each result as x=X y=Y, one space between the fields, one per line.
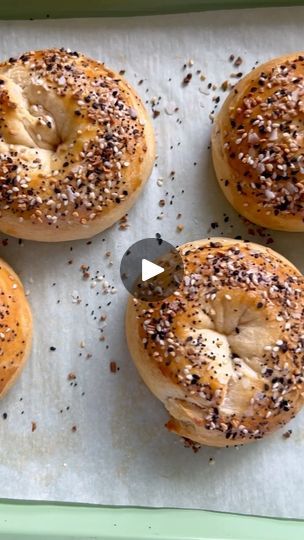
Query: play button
x=151 y=269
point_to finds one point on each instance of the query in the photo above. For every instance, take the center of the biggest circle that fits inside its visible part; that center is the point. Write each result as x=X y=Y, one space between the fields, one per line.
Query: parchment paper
x=103 y=440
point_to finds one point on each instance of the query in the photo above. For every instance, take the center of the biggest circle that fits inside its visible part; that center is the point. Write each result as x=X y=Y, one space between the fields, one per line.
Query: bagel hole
x=44 y=130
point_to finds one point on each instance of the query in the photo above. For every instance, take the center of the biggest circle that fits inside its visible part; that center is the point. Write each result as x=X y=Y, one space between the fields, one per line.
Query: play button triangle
x=150 y=269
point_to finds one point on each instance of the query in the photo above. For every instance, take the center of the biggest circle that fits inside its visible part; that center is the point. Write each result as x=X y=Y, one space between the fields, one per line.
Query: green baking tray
x=24 y=520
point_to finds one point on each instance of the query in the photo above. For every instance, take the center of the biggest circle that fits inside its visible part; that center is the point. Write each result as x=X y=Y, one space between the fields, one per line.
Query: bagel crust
x=76 y=146
x=15 y=327
x=258 y=144
x=225 y=352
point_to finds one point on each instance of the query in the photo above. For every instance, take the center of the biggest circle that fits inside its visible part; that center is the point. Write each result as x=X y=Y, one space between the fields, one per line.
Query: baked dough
x=225 y=352
x=258 y=145
x=76 y=146
x=15 y=327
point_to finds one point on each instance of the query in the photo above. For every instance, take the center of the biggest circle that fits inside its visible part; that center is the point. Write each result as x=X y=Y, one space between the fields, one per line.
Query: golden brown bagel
x=76 y=146
x=15 y=327
x=225 y=353
x=258 y=144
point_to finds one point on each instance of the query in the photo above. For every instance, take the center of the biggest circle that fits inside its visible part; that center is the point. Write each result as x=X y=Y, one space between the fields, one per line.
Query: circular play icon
x=151 y=269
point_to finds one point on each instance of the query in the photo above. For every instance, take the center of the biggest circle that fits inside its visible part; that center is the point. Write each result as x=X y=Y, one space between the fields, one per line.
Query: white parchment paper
x=120 y=453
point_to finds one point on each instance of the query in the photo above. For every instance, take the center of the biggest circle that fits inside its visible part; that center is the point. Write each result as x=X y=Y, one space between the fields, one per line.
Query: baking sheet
x=99 y=437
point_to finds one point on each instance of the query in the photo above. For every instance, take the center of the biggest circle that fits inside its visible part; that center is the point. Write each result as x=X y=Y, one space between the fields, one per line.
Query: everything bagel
x=76 y=146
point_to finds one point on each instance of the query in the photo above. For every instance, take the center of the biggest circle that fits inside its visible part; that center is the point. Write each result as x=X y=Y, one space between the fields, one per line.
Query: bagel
x=76 y=146
x=258 y=144
x=225 y=352
x=15 y=327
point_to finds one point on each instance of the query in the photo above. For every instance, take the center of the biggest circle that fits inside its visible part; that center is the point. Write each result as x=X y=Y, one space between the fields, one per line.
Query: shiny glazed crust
x=15 y=327
x=225 y=353
x=76 y=146
x=257 y=144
